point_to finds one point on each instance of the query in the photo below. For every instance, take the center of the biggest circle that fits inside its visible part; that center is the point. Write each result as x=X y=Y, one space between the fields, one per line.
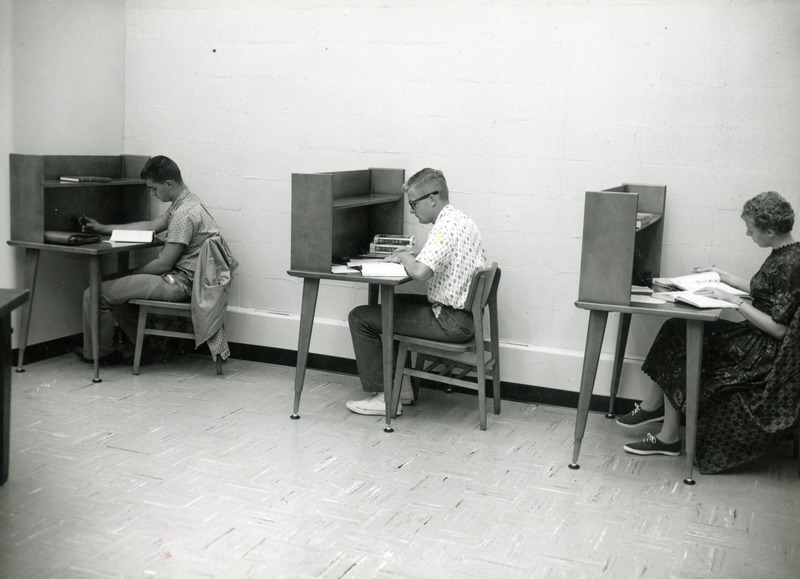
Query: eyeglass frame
x=413 y=204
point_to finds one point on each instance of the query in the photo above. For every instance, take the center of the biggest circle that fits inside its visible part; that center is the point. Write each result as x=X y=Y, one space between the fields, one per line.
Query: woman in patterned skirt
x=736 y=355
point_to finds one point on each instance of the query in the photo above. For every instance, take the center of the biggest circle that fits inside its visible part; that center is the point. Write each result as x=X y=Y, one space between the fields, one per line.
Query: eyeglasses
x=413 y=204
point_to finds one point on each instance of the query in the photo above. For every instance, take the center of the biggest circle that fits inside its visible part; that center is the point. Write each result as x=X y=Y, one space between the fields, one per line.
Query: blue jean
x=413 y=316
x=114 y=297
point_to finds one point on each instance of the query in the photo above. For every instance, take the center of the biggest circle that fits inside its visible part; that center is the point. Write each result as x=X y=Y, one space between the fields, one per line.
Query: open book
x=382 y=269
x=695 y=281
x=132 y=236
x=691 y=298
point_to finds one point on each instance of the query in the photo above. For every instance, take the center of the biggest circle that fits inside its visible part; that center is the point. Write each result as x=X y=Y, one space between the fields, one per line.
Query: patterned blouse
x=189 y=223
x=454 y=251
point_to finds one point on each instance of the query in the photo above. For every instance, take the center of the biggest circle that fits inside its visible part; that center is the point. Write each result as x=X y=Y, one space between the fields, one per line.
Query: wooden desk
x=92 y=252
x=9 y=300
x=311 y=290
x=598 y=316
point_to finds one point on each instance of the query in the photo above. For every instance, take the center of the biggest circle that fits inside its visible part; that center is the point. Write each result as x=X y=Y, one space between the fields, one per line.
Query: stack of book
x=386 y=244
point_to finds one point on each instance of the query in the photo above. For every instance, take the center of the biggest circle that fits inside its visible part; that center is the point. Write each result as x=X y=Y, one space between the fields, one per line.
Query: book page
x=131 y=236
x=383 y=269
x=695 y=281
x=702 y=301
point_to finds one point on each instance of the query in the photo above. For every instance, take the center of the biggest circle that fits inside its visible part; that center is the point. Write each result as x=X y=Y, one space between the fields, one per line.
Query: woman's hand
x=713 y=292
x=722 y=273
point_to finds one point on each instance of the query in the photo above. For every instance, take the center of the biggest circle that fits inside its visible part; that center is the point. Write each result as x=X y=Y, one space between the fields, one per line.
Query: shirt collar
x=181 y=198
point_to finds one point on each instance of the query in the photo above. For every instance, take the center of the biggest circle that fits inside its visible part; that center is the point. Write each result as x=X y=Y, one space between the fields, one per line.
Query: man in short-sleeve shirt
x=451 y=255
x=169 y=276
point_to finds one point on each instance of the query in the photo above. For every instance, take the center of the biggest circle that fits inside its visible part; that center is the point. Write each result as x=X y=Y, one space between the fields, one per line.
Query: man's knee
x=356 y=315
x=363 y=317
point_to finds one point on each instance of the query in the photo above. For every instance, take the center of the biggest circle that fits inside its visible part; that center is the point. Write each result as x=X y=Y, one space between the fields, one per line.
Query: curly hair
x=769 y=210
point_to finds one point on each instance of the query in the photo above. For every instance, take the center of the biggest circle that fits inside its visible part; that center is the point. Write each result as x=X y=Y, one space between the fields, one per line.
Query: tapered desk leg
x=95 y=282
x=372 y=294
x=31 y=268
x=591 y=358
x=694 y=355
x=387 y=324
x=619 y=359
x=309 y=306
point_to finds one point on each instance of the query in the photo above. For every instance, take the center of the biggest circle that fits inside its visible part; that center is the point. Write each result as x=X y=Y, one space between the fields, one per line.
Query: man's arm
x=419 y=271
x=158 y=225
x=165 y=261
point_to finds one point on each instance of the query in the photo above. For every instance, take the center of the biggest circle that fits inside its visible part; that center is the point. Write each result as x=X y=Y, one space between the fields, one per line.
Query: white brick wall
x=523 y=105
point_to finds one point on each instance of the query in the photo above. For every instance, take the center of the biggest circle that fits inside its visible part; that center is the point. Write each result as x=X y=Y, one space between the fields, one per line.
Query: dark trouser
x=114 y=297
x=413 y=316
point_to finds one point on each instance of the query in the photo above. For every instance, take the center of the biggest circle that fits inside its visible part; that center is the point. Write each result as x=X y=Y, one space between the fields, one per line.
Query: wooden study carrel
x=623 y=229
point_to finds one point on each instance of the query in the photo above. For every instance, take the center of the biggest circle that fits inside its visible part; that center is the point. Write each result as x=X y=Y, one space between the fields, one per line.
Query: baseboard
x=509 y=390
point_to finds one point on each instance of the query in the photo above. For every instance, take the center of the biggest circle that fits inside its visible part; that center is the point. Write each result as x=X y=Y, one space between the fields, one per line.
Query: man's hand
x=92 y=225
x=419 y=271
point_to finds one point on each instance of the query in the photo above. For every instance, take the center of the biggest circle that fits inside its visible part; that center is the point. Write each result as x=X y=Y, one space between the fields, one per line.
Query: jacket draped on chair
x=736 y=427
x=212 y=279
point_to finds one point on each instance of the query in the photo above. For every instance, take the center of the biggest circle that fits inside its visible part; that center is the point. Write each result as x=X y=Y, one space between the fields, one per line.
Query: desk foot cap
x=688 y=481
x=19 y=370
x=574 y=465
x=97 y=380
x=388 y=429
x=295 y=417
x=610 y=416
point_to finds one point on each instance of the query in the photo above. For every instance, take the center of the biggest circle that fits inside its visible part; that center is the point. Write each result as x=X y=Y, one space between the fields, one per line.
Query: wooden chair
x=149 y=308
x=450 y=363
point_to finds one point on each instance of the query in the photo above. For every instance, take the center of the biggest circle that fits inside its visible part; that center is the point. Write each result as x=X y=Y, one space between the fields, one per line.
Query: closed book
x=84 y=179
x=389 y=239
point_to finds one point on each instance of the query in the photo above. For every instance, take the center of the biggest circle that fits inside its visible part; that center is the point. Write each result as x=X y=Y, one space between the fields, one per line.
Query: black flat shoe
x=112 y=359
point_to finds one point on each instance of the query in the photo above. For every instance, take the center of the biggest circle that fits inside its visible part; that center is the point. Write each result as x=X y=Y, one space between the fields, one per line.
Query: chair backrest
x=482 y=287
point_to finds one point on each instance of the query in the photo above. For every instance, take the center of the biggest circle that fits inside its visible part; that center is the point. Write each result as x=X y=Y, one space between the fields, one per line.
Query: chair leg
x=415 y=382
x=219 y=365
x=496 y=386
x=482 y=395
x=137 y=356
x=402 y=354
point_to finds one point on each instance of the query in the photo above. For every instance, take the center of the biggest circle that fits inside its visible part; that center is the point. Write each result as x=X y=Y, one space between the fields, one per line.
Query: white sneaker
x=375 y=405
x=407 y=393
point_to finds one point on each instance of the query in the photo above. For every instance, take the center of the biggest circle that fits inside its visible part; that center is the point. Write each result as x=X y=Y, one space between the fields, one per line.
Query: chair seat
x=434 y=345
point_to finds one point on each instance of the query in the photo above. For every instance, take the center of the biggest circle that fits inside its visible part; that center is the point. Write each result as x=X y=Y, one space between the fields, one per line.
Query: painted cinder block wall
x=523 y=105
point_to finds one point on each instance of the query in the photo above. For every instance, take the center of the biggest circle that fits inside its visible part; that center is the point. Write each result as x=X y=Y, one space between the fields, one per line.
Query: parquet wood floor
x=180 y=473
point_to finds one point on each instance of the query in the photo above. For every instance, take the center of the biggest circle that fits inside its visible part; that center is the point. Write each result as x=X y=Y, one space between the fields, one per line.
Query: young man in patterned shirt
x=169 y=276
x=451 y=255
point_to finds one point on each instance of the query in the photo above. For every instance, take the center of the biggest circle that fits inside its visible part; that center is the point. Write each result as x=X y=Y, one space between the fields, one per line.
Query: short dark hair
x=431 y=179
x=160 y=169
x=768 y=210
